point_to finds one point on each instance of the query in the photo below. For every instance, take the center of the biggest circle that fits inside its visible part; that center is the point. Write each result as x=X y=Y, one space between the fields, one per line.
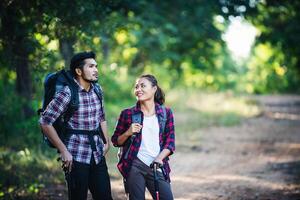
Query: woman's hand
x=162 y=155
x=158 y=160
x=134 y=128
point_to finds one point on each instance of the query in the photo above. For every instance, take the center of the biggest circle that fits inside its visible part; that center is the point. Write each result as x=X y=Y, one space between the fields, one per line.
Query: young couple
x=145 y=142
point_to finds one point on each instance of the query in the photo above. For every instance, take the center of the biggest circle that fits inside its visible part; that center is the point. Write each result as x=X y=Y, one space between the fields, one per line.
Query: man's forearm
x=105 y=132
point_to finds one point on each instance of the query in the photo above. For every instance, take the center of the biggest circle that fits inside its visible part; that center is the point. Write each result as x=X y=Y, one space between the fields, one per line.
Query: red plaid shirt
x=166 y=139
x=88 y=117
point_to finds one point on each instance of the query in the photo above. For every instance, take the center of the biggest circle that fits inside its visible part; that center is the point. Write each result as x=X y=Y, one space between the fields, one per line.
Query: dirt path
x=258 y=159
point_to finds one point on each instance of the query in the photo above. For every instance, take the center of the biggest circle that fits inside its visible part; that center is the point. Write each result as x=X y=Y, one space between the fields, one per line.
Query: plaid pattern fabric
x=166 y=139
x=88 y=117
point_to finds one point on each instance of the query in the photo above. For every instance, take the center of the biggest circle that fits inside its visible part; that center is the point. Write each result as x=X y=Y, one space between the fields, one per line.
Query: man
x=82 y=151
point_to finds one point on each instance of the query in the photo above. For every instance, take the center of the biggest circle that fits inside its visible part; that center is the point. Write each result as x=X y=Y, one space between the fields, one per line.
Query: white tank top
x=149 y=148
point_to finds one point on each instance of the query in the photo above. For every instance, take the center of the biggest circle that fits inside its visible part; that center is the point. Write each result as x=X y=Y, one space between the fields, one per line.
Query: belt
x=90 y=135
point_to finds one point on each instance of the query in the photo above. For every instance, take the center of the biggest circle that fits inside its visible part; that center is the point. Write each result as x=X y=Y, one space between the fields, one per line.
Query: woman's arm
x=169 y=134
x=124 y=129
x=162 y=155
x=133 y=129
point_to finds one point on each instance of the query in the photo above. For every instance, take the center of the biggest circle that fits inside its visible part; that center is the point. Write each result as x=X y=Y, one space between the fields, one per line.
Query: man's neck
x=83 y=83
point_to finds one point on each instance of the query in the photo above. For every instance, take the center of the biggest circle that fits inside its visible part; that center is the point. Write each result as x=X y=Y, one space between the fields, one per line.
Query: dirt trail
x=258 y=159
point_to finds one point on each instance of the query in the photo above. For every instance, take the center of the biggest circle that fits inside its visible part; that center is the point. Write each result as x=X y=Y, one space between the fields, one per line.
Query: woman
x=152 y=140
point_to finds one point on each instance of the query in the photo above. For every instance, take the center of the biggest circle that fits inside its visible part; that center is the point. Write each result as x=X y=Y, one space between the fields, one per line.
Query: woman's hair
x=159 y=96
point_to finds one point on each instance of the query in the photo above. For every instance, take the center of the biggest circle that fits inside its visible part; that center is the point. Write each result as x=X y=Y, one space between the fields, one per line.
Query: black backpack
x=53 y=83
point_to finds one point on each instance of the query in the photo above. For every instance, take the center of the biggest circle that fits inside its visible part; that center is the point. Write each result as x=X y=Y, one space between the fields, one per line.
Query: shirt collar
x=158 y=108
x=81 y=88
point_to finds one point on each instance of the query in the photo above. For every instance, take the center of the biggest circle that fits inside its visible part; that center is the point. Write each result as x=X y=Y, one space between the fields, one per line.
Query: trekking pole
x=68 y=181
x=156 y=185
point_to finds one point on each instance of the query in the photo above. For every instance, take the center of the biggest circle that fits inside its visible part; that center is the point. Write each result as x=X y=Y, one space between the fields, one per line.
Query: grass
x=23 y=173
x=194 y=110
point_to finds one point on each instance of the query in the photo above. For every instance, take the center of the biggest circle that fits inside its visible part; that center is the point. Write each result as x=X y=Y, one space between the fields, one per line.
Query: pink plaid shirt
x=166 y=138
x=88 y=117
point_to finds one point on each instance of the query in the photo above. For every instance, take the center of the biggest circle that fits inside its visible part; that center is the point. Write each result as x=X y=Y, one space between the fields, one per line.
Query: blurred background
x=210 y=57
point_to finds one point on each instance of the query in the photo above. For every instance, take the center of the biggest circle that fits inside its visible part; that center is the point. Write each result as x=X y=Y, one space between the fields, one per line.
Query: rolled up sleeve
x=121 y=127
x=56 y=107
x=170 y=132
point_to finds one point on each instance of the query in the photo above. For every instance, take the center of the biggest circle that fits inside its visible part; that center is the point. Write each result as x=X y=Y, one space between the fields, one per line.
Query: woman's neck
x=148 y=108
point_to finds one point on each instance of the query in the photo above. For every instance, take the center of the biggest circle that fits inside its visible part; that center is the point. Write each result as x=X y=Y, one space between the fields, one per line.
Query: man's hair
x=77 y=60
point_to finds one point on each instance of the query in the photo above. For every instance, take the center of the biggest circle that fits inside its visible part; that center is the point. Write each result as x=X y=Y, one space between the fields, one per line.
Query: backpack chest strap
x=90 y=135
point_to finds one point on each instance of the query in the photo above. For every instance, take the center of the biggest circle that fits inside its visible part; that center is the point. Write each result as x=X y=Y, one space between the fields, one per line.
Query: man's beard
x=88 y=80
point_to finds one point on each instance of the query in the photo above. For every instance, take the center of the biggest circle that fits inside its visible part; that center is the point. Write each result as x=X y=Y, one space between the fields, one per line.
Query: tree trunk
x=66 y=49
x=23 y=79
x=24 y=85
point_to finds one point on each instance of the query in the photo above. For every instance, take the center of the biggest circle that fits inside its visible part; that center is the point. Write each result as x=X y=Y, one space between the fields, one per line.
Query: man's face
x=90 y=70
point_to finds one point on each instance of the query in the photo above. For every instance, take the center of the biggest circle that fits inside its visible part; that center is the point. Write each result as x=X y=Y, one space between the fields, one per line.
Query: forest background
x=232 y=48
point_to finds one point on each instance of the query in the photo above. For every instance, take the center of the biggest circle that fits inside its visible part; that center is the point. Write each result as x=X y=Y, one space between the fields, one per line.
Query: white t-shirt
x=149 y=148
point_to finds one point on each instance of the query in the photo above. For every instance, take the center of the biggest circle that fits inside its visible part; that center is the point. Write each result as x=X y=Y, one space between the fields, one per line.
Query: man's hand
x=67 y=161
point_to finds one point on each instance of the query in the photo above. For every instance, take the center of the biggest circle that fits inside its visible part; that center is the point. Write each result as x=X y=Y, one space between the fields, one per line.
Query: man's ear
x=78 y=71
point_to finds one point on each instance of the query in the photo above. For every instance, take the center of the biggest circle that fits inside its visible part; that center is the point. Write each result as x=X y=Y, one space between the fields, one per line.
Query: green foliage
x=179 y=42
x=16 y=131
x=23 y=173
x=276 y=22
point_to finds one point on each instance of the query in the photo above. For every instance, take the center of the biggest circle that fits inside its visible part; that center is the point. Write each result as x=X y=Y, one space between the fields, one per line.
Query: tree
x=173 y=32
x=62 y=20
x=17 y=25
x=277 y=21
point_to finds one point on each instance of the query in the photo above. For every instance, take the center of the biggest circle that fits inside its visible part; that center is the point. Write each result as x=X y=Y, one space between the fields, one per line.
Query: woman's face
x=144 y=91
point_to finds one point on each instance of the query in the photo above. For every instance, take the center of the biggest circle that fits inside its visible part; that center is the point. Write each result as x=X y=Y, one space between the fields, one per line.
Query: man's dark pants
x=94 y=177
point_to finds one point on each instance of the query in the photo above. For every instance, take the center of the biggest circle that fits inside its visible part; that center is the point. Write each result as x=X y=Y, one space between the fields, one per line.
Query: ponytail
x=159 y=96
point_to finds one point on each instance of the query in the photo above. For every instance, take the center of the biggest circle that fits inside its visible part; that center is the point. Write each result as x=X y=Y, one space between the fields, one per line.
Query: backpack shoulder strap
x=98 y=90
x=136 y=117
x=74 y=101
